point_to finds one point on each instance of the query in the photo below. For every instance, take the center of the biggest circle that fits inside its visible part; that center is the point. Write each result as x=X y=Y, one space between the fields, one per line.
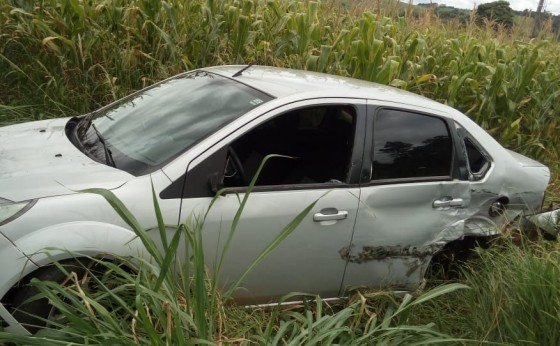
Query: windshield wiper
x=108 y=154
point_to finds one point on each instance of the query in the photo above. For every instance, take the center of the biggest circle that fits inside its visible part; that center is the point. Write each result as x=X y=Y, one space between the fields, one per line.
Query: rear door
x=413 y=200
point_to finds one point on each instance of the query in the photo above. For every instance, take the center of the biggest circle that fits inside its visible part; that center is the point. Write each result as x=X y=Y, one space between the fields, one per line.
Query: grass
x=515 y=296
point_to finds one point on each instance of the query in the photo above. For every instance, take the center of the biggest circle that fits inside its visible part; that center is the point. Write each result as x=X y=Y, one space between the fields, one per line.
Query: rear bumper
x=547 y=221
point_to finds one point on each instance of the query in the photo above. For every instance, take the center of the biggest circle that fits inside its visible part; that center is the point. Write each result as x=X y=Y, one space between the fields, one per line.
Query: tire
x=33 y=314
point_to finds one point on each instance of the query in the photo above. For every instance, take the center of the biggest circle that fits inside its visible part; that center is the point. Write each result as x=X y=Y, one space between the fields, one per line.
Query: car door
x=322 y=146
x=413 y=201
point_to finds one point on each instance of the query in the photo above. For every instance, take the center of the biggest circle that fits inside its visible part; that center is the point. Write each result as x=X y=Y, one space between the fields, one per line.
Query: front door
x=321 y=147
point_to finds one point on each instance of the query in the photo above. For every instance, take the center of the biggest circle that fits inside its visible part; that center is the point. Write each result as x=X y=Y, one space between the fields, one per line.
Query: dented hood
x=38 y=160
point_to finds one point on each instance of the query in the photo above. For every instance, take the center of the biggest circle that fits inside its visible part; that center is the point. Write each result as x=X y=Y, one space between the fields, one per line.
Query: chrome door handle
x=444 y=203
x=341 y=215
x=456 y=202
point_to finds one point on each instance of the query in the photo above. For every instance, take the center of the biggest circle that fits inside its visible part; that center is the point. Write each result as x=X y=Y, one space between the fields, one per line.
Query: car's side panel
x=508 y=179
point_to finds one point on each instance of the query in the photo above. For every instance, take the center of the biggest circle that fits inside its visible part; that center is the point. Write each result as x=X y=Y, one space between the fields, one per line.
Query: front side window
x=316 y=144
x=410 y=145
x=154 y=126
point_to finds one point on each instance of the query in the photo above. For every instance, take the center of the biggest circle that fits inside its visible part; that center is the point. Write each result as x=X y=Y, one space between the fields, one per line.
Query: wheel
x=35 y=314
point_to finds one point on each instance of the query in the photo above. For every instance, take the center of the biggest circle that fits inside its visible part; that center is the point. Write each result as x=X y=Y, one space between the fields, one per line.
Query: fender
x=89 y=238
x=58 y=242
x=16 y=265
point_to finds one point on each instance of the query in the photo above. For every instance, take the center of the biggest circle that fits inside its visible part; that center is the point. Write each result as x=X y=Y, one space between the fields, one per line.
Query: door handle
x=451 y=202
x=341 y=215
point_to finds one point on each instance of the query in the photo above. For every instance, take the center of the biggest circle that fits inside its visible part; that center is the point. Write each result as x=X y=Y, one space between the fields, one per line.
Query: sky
x=552 y=6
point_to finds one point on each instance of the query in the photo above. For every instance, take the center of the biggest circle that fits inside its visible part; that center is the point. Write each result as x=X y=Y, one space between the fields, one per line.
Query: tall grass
x=515 y=296
x=518 y=304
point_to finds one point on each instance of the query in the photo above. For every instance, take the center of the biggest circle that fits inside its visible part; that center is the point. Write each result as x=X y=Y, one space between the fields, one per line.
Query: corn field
x=68 y=57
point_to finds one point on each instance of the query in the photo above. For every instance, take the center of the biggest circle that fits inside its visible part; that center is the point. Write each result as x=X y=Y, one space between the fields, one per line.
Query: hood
x=524 y=160
x=38 y=160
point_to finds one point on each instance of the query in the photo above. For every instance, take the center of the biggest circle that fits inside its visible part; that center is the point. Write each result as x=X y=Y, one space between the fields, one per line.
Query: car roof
x=283 y=82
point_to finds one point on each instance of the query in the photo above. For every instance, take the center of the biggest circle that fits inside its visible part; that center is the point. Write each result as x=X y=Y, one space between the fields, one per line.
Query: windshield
x=148 y=129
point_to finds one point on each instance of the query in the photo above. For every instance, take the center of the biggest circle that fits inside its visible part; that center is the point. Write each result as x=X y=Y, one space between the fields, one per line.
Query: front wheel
x=34 y=311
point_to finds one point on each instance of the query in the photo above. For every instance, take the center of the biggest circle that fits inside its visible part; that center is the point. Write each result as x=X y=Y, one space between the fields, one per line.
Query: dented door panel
x=406 y=215
x=402 y=224
x=398 y=230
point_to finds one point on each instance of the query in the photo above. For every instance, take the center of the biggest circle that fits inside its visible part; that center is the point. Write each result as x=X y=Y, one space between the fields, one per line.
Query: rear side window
x=410 y=145
x=478 y=162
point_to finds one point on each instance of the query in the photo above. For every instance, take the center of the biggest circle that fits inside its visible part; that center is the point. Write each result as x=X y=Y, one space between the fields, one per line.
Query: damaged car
x=397 y=179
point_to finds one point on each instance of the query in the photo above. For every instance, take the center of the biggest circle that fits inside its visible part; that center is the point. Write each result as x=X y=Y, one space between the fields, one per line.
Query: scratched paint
x=370 y=253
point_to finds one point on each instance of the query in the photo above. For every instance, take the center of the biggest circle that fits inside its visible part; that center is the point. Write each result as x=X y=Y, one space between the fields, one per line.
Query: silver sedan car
x=406 y=178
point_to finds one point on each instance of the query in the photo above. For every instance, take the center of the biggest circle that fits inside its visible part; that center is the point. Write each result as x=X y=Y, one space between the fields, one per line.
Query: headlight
x=10 y=211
